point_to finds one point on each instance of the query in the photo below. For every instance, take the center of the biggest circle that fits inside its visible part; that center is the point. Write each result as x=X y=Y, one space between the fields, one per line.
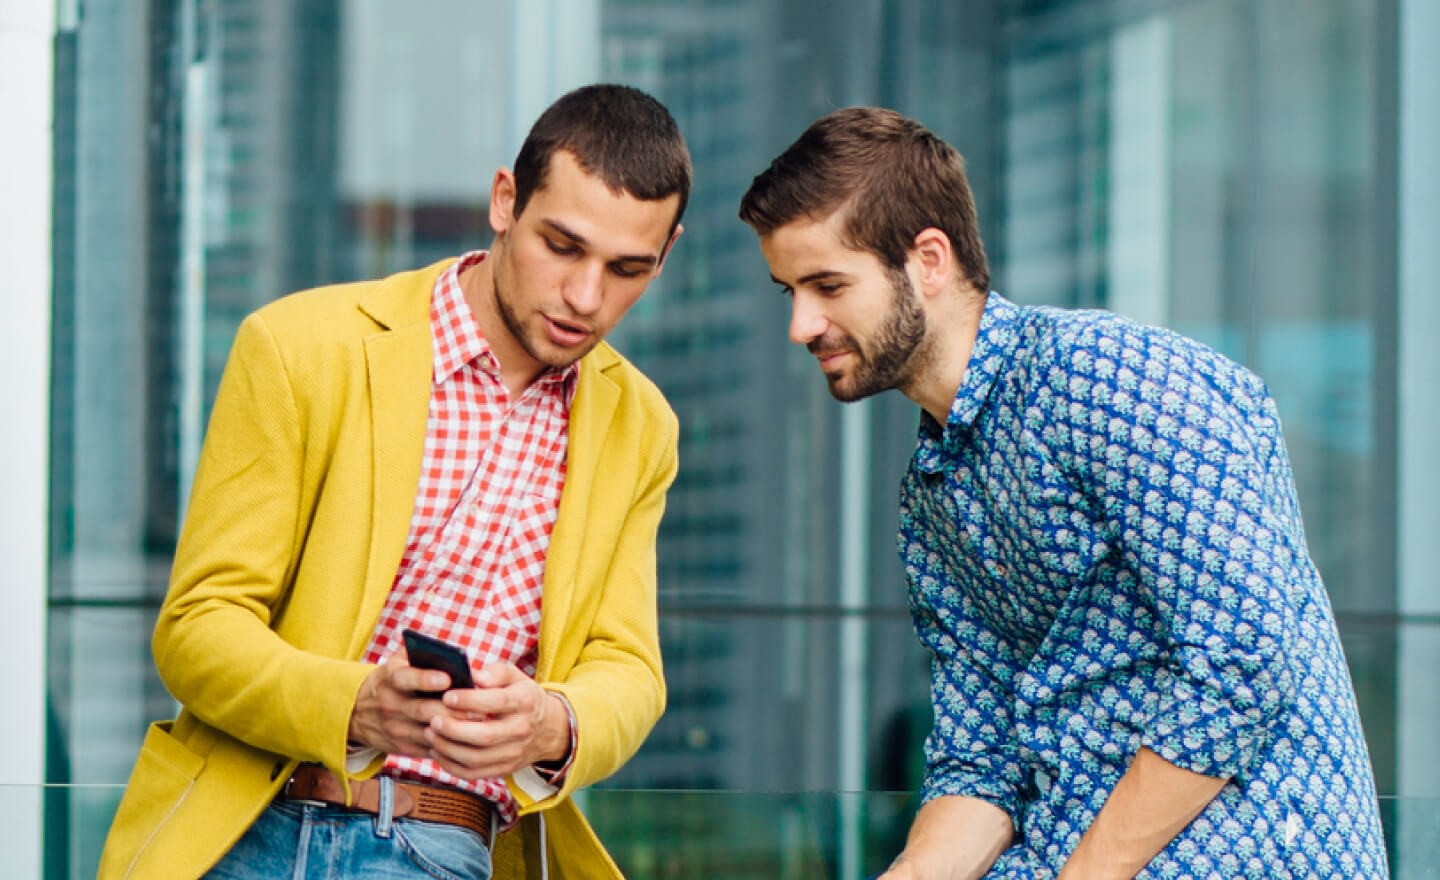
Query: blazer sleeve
x=617 y=686
x=243 y=533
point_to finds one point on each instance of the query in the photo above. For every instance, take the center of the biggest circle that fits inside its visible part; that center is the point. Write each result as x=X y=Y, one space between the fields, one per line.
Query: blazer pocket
x=163 y=775
x=168 y=756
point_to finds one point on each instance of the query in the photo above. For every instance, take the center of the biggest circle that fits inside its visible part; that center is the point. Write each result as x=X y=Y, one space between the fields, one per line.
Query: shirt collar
x=457 y=336
x=995 y=344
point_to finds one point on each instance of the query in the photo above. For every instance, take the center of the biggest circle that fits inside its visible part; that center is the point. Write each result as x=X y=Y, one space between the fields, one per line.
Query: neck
x=955 y=321
x=477 y=285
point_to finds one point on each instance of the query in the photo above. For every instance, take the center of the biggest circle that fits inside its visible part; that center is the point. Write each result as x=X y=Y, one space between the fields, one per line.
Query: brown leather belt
x=412 y=800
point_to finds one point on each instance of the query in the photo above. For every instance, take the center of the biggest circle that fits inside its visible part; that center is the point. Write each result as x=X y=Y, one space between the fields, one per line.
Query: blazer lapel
x=596 y=399
x=398 y=363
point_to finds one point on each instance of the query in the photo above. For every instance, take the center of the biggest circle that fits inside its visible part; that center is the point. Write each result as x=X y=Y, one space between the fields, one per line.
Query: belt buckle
x=296 y=800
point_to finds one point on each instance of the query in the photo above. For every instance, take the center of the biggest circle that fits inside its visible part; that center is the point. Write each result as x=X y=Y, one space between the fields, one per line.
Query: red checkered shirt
x=489 y=495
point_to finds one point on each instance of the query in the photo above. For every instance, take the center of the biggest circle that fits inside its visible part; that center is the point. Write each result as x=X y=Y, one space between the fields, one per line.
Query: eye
x=563 y=249
x=623 y=270
x=787 y=291
x=829 y=289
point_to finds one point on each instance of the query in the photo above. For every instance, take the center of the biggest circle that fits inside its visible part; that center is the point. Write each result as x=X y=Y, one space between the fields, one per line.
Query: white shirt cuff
x=358 y=760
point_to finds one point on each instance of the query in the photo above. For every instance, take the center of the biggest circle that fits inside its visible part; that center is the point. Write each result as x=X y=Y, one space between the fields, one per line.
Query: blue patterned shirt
x=1104 y=551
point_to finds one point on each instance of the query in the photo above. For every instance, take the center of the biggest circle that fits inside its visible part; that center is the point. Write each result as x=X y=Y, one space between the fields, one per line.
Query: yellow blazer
x=298 y=518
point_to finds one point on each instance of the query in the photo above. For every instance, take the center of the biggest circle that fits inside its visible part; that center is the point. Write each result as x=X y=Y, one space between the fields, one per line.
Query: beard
x=531 y=338
x=899 y=350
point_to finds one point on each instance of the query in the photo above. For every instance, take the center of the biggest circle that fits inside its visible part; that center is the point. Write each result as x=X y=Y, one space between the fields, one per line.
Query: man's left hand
x=506 y=722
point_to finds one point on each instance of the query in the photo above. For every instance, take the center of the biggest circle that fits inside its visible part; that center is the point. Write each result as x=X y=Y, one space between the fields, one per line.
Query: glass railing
x=655 y=835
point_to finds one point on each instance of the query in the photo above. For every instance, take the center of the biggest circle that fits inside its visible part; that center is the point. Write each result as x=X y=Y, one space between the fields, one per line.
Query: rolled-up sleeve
x=1198 y=485
x=970 y=751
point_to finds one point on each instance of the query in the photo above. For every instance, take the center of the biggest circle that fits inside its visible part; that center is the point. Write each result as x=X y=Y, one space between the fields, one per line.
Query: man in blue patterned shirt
x=1136 y=670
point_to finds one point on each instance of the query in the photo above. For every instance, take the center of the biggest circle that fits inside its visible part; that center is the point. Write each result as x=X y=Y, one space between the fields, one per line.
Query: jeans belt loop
x=385 y=813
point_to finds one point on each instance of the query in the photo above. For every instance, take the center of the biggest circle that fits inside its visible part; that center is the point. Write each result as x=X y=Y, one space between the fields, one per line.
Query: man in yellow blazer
x=305 y=523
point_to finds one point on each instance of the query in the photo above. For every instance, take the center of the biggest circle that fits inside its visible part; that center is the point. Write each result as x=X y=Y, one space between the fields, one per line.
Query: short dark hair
x=891 y=176
x=618 y=133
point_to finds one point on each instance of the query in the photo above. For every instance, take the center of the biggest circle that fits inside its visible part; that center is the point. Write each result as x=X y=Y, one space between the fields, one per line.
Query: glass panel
x=1274 y=242
x=753 y=699
x=1215 y=166
x=657 y=835
x=77 y=818
x=103 y=691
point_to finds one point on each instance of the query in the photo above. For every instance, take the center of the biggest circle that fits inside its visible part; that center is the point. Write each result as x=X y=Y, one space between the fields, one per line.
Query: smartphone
x=428 y=652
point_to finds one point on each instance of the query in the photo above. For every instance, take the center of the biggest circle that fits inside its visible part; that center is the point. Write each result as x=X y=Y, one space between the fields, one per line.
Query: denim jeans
x=301 y=841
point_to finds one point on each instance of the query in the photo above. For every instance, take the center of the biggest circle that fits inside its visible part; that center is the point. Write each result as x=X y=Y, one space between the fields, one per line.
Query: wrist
x=555 y=730
x=900 y=869
x=1097 y=857
x=558 y=735
x=355 y=730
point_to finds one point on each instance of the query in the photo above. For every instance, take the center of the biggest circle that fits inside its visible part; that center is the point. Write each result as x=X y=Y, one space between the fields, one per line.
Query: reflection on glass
x=1209 y=165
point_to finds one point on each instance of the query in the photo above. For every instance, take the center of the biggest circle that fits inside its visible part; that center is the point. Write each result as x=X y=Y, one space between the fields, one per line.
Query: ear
x=502 y=201
x=933 y=256
x=665 y=251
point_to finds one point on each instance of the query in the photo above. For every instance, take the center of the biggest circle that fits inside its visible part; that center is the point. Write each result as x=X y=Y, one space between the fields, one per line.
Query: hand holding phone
x=428 y=652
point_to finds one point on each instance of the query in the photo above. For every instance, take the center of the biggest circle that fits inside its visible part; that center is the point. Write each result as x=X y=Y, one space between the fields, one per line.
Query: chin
x=843 y=392
x=853 y=390
x=555 y=357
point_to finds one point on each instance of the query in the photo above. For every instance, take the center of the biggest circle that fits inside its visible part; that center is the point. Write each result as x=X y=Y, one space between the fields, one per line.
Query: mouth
x=565 y=332
x=830 y=360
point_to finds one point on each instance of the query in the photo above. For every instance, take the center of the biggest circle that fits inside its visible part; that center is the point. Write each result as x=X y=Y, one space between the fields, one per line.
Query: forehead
x=581 y=203
x=807 y=247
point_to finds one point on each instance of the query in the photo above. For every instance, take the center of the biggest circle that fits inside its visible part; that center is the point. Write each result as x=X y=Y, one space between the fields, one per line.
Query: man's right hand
x=390 y=714
x=952 y=838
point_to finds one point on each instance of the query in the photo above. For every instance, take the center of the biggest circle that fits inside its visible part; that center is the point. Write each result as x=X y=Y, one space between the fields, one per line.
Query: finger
x=486 y=733
x=413 y=680
x=408 y=705
x=418 y=710
x=470 y=761
x=481 y=703
x=481 y=769
x=411 y=739
x=520 y=697
x=407 y=733
x=404 y=714
x=497 y=675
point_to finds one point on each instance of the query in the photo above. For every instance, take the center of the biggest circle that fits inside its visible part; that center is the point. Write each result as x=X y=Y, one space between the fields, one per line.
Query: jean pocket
x=446 y=852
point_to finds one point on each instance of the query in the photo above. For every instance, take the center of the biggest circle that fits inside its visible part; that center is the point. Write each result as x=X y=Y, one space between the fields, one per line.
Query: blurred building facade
x=1244 y=171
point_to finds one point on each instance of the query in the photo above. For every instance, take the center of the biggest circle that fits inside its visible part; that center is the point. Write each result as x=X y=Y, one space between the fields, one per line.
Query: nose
x=807 y=322
x=584 y=289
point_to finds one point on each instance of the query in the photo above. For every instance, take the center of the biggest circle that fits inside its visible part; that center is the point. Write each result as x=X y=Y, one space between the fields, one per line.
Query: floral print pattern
x=1105 y=552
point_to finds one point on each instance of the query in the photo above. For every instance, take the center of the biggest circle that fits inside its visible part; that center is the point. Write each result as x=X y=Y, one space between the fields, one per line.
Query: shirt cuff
x=1207 y=725
x=357 y=758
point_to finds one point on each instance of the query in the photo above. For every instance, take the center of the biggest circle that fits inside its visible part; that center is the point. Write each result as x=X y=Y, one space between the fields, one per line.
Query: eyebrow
x=648 y=260
x=806 y=279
